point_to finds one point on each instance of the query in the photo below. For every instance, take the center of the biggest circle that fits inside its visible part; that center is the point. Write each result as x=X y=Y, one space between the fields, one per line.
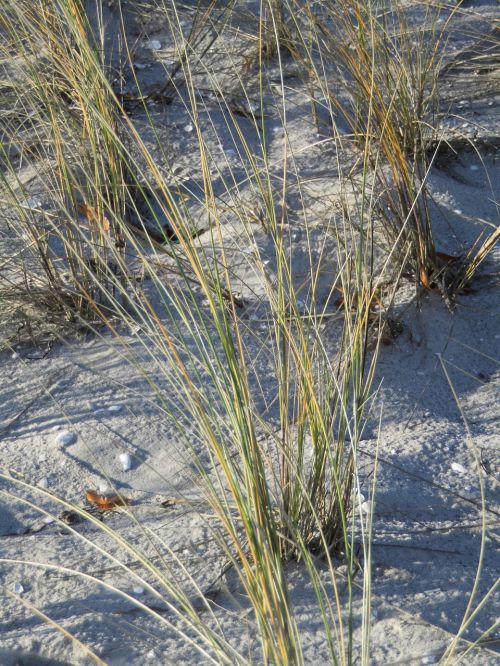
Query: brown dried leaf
x=424 y=279
x=94 y=217
x=105 y=502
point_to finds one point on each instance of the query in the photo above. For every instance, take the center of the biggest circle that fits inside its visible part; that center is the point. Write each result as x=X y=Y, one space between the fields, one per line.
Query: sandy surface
x=427 y=526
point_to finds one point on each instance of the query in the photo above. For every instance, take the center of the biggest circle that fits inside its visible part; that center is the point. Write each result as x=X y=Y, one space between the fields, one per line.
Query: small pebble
x=429 y=659
x=474 y=167
x=126 y=461
x=43 y=483
x=153 y=45
x=48 y=520
x=18 y=588
x=139 y=65
x=457 y=211
x=65 y=438
x=103 y=488
x=188 y=127
x=14 y=356
x=138 y=590
x=457 y=467
x=114 y=409
x=56 y=427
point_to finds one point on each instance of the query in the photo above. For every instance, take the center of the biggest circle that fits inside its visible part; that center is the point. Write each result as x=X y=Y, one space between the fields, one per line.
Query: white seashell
x=114 y=409
x=188 y=127
x=32 y=203
x=153 y=45
x=138 y=589
x=43 y=483
x=367 y=507
x=56 y=427
x=458 y=468
x=65 y=438
x=18 y=588
x=48 y=520
x=126 y=461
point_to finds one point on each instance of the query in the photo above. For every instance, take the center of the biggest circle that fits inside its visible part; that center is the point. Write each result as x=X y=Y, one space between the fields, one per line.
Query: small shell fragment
x=114 y=409
x=458 y=468
x=126 y=461
x=153 y=45
x=138 y=590
x=65 y=438
x=43 y=483
x=188 y=127
x=18 y=588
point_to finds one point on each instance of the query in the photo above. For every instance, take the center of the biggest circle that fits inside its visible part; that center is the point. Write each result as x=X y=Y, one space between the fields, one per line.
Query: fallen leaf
x=105 y=502
x=448 y=258
x=424 y=279
x=94 y=217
